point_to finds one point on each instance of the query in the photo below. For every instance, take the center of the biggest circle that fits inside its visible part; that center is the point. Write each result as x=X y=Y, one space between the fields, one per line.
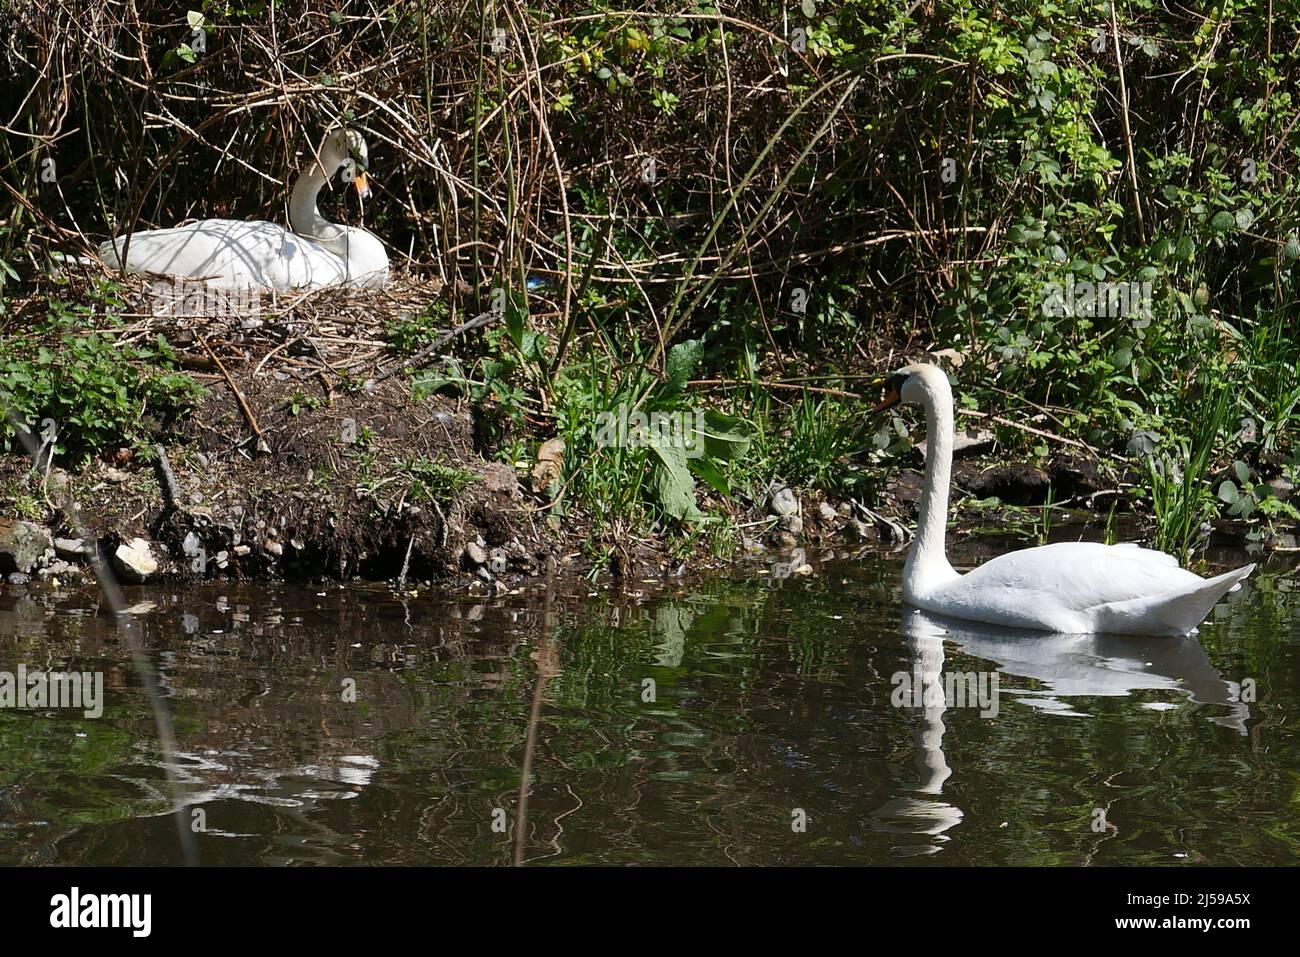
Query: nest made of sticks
x=341 y=333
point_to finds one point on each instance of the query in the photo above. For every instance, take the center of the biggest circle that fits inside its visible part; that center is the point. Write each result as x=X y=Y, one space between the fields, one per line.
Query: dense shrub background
x=912 y=174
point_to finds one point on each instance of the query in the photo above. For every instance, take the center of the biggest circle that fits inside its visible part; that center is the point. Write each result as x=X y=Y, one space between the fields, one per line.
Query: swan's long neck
x=927 y=564
x=306 y=218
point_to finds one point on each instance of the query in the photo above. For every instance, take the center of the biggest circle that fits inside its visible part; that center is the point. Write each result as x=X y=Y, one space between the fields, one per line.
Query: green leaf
x=725 y=436
x=1222 y=221
x=533 y=346
x=515 y=314
x=1243 y=471
x=1228 y=492
x=425 y=386
x=681 y=362
x=708 y=470
x=674 y=487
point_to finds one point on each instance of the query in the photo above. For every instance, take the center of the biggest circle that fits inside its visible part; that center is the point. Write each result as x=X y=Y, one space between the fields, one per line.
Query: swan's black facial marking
x=352 y=171
x=354 y=168
x=893 y=391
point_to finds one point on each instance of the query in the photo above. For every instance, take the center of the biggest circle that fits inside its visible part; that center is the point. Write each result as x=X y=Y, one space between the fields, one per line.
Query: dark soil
x=333 y=484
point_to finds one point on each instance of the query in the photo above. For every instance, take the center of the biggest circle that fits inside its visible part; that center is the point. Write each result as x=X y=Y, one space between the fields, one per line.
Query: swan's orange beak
x=362 y=183
x=892 y=398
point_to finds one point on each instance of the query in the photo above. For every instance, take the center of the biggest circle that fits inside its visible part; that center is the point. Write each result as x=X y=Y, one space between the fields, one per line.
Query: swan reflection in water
x=1067 y=667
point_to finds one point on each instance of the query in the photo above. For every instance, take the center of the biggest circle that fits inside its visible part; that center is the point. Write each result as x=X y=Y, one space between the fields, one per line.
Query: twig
x=1030 y=429
x=239 y=396
x=1128 y=132
x=482 y=319
x=768 y=384
x=406 y=564
x=170 y=490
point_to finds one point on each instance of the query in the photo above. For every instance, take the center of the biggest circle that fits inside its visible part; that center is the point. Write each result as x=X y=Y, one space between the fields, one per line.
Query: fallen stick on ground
x=239 y=396
x=1041 y=433
x=482 y=319
x=167 y=479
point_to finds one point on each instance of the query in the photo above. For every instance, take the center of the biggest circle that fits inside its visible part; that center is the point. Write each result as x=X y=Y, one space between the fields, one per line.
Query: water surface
x=755 y=719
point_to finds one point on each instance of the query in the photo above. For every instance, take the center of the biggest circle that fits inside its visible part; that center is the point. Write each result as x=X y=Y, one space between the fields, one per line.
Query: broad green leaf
x=681 y=362
x=725 y=436
x=533 y=346
x=515 y=315
x=708 y=470
x=673 y=484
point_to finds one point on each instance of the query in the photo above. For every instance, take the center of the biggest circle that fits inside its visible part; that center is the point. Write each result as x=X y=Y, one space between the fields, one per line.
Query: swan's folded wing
x=230 y=254
x=1172 y=613
x=1079 y=575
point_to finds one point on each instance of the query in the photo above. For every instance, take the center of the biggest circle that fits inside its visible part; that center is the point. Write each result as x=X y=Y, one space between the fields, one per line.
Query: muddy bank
x=282 y=476
x=306 y=457
x=291 y=479
x=309 y=457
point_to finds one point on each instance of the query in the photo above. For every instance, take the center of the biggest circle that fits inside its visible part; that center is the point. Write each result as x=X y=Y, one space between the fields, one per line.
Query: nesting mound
x=308 y=454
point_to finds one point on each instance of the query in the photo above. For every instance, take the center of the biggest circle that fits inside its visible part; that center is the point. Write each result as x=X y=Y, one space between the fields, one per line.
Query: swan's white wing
x=1083 y=574
x=1085 y=587
x=1054 y=587
x=230 y=254
x=1176 y=612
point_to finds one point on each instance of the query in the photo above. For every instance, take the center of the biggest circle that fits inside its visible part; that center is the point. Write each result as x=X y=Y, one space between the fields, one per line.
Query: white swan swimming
x=1067 y=587
x=235 y=254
